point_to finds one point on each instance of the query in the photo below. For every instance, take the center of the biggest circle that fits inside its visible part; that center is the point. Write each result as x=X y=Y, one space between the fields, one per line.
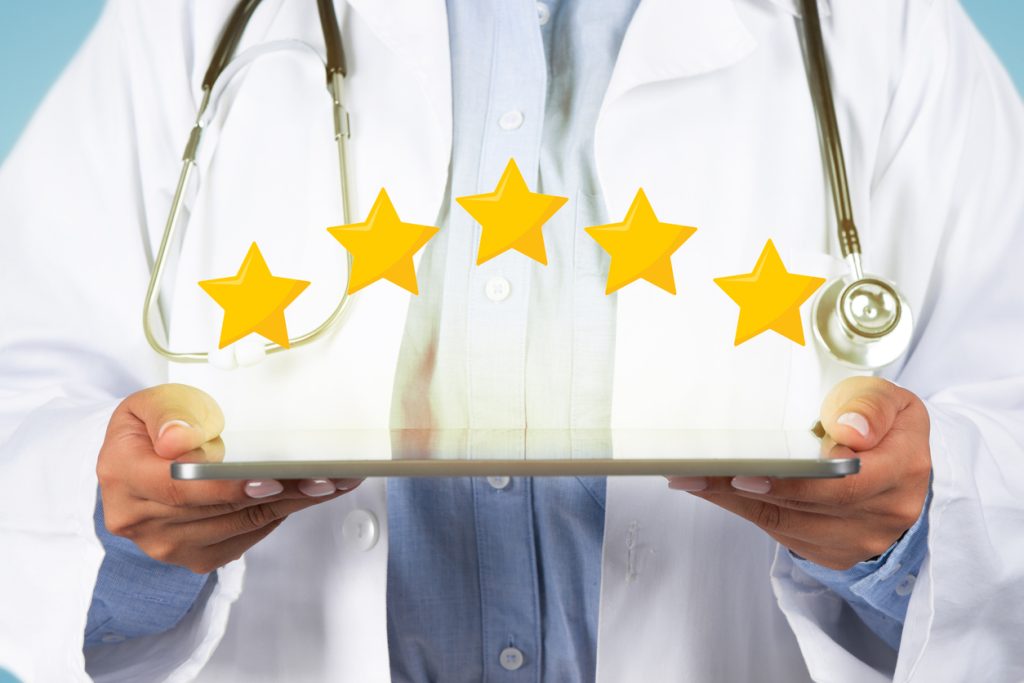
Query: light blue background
x=38 y=37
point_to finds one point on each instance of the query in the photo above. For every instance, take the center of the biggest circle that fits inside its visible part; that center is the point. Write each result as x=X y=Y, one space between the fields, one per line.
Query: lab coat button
x=499 y=483
x=511 y=120
x=511 y=658
x=360 y=529
x=498 y=289
x=543 y=13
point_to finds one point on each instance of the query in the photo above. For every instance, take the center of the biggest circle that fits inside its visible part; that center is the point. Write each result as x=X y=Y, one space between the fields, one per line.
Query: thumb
x=178 y=418
x=860 y=411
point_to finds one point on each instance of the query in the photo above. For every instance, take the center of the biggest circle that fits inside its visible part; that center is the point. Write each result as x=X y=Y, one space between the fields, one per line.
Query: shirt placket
x=498 y=290
x=496 y=342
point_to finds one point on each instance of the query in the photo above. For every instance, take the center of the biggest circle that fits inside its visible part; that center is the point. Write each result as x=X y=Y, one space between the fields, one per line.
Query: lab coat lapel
x=417 y=31
x=667 y=346
x=670 y=39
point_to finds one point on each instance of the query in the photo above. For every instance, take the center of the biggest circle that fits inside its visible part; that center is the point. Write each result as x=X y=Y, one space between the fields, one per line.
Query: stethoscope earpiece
x=864 y=323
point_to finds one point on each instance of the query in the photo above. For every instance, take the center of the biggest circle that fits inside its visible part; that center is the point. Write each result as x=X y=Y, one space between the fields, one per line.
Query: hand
x=201 y=525
x=837 y=523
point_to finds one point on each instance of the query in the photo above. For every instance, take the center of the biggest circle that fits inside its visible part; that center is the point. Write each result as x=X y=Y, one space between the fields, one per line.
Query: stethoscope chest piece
x=864 y=323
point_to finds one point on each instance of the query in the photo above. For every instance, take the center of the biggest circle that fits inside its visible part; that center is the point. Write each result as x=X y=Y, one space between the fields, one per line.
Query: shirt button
x=906 y=585
x=499 y=483
x=112 y=638
x=511 y=120
x=498 y=289
x=360 y=529
x=511 y=659
x=543 y=13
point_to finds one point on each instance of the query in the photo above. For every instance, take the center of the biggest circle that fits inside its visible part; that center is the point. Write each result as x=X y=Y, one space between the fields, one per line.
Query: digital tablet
x=348 y=453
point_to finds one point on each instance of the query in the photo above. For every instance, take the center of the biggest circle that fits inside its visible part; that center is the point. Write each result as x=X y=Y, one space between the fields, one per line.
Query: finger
x=214 y=530
x=151 y=480
x=839 y=538
x=877 y=476
x=147 y=512
x=286 y=489
x=795 y=504
x=199 y=499
x=347 y=485
x=877 y=505
x=860 y=411
x=178 y=418
x=806 y=526
x=233 y=548
x=825 y=445
x=687 y=483
x=211 y=558
x=317 y=488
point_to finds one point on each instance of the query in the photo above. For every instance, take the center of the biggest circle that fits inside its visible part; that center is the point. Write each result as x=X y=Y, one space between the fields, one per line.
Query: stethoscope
x=220 y=72
x=861 y=321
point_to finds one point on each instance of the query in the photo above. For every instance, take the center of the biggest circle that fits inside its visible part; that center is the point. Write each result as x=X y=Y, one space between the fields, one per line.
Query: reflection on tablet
x=513 y=445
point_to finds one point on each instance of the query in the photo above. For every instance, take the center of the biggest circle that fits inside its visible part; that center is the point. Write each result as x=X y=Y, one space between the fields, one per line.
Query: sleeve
x=945 y=218
x=136 y=595
x=879 y=590
x=75 y=206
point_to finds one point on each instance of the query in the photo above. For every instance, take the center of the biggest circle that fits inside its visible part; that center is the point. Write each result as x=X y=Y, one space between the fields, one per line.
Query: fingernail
x=752 y=484
x=346 y=484
x=316 y=488
x=263 y=488
x=688 y=483
x=181 y=424
x=855 y=420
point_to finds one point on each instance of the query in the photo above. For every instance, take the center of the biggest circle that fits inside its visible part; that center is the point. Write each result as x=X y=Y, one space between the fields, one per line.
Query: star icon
x=254 y=300
x=641 y=246
x=769 y=297
x=382 y=246
x=511 y=217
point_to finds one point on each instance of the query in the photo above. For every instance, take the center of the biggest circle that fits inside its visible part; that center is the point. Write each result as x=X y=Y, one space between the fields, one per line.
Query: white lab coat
x=708 y=110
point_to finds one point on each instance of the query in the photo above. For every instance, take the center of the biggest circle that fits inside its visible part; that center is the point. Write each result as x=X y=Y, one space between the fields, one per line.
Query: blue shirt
x=493 y=578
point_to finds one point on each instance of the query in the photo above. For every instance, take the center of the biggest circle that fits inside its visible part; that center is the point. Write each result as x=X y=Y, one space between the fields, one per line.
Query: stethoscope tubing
x=207 y=110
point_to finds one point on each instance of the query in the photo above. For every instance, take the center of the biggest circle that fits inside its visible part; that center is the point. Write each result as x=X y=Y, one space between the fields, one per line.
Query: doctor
x=912 y=570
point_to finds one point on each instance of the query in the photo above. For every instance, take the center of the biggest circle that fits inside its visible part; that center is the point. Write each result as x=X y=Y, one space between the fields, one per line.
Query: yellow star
x=641 y=246
x=511 y=217
x=769 y=297
x=254 y=300
x=382 y=247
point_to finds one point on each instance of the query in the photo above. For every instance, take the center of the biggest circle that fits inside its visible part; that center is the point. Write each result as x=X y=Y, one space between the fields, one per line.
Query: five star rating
x=512 y=218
